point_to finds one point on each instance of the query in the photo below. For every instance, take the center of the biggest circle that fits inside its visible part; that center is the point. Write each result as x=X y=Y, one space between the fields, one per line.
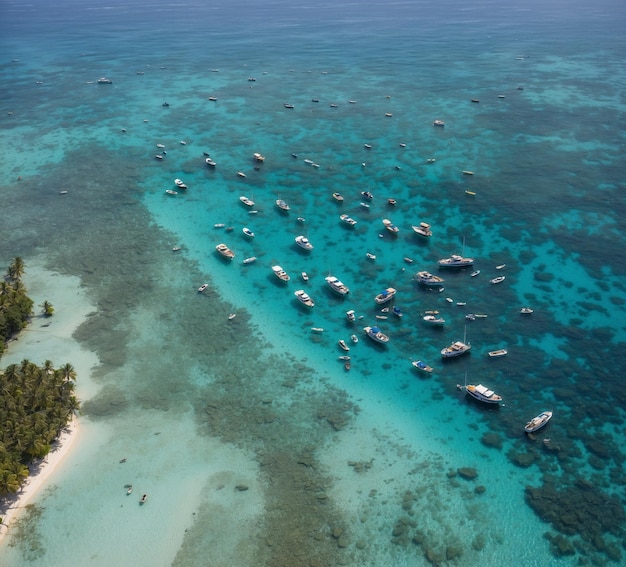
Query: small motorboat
x=177 y=248
x=422 y=366
x=354 y=339
x=304 y=276
x=247 y=202
x=439 y=123
x=241 y=174
x=498 y=353
x=231 y=316
x=497 y=280
x=467 y=172
x=210 y=162
x=247 y=232
x=397 y=311
x=203 y=287
x=347 y=220
x=347 y=366
x=171 y=192
x=317 y=329
x=338 y=197
x=475 y=273
x=500 y=266
x=344 y=357
x=258 y=157
x=367 y=195
x=538 y=422
x=282 y=205
x=250 y=260
x=143 y=499
x=526 y=310
x=371 y=256
x=129 y=489
x=342 y=344
x=351 y=316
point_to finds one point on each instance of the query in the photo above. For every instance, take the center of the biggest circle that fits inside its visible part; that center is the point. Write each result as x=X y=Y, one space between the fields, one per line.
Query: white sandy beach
x=50 y=339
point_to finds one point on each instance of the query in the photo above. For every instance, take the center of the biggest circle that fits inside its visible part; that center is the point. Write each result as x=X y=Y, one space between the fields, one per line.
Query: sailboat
x=456 y=260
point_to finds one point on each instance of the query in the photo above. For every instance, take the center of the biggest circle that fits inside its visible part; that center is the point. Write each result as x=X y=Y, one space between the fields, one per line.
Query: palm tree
x=16 y=269
x=68 y=372
x=48 y=309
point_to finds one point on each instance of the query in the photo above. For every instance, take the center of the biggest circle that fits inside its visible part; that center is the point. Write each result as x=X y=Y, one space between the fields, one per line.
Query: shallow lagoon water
x=353 y=467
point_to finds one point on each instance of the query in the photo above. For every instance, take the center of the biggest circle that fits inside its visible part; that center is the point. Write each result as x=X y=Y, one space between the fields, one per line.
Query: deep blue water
x=545 y=144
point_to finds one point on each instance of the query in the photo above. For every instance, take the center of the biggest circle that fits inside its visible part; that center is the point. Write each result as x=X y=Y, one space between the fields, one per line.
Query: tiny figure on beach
x=143 y=499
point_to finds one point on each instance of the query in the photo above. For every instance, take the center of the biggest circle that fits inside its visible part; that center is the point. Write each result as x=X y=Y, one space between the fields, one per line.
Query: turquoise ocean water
x=254 y=443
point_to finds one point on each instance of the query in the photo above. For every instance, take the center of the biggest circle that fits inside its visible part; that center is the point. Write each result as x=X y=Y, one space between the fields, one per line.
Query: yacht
x=483 y=394
x=225 y=251
x=455 y=261
x=304 y=298
x=280 y=273
x=434 y=319
x=423 y=229
x=457 y=348
x=337 y=285
x=304 y=243
x=390 y=226
x=376 y=334
x=347 y=220
x=385 y=295
x=428 y=279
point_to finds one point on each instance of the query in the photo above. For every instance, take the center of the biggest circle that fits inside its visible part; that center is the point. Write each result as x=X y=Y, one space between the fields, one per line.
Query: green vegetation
x=36 y=403
x=47 y=308
x=15 y=305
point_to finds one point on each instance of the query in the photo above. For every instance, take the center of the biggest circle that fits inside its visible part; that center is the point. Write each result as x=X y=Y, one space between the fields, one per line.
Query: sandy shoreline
x=41 y=471
x=52 y=341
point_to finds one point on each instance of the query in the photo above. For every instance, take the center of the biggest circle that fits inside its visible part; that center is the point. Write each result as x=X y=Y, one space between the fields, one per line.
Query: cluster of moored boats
x=383 y=298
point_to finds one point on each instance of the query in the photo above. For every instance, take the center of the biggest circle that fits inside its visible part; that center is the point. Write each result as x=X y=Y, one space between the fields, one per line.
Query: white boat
x=422 y=366
x=342 y=344
x=250 y=260
x=434 y=319
x=390 y=226
x=347 y=220
x=225 y=251
x=104 y=81
x=376 y=334
x=457 y=348
x=179 y=182
x=231 y=316
x=538 y=422
x=526 y=310
x=338 y=197
x=365 y=205
x=158 y=156
x=304 y=276
x=203 y=287
x=210 y=162
x=317 y=329
x=247 y=202
x=247 y=232
x=171 y=192
x=304 y=242
x=498 y=353
x=483 y=394
x=337 y=285
x=428 y=279
x=280 y=273
x=241 y=174
x=282 y=205
x=423 y=229
x=439 y=123
x=344 y=357
x=497 y=280
x=500 y=266
x=370 y=256
x=304 y=298
x=455 y=261
x=351 y=315
x=354 y=339
x=367 y=195
x=475 y=273
x=385 y=295
x=258 y=157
